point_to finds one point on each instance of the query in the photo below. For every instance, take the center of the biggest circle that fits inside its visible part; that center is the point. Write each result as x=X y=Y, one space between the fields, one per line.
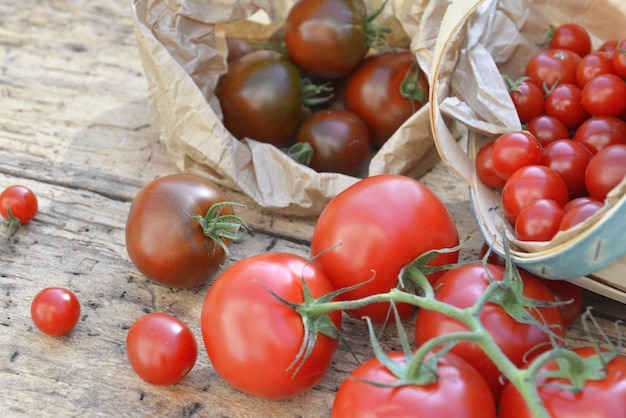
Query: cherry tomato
x=327 y=38
x=592 y=65
x=237 y=48
x=600 y=398
x=579 y=213
x=55 y=311
x=619 y=58
x=531 y=183
x=601 y=131
x=484 y=167
x=164 y=240
x=384 y=91
x=161 y=348
x=461 y=287
x=539 y=221
x=18 y=205
x=514 y=150
x=339 y=138
x=252 y=338
x=606 y=170
x=579 y=201
x=608 y=47
x=260 y=98
x=571 y=36
x=527 y=98
x=604 y=95
x=569 y=159
x=565 y=103
x=547 y=129
x=570 y=297
x=549 y=66
x=460 y=392
x=373 y=229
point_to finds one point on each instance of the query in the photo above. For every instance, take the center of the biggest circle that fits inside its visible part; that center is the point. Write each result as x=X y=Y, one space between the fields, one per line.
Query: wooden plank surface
x=75 y=127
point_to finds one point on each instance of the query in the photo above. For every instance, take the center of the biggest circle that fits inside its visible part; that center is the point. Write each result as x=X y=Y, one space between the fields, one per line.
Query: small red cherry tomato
x=571 y=36
x=18 y=204
x=514 y=150
x=605 y=170
x=601 y=131
x=539 y=221
x=604 y=95
x=547 y=129
x=565 y=103
x=55 y=311
x=579 y=213
x=569 y=159
x=484 y=168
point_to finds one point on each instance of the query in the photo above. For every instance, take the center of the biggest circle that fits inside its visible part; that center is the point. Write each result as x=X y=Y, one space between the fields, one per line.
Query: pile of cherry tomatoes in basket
x=325 y=79
x=558 y=171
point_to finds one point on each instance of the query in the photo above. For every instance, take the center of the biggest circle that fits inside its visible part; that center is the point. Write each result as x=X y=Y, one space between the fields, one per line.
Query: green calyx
x=12 y=223
x=300 y=152
x=315 y=94
x=409 y=88
x=376 y=36
x=221 y=227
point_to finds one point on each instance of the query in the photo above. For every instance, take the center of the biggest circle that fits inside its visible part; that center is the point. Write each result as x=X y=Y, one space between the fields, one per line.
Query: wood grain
x=75 y=127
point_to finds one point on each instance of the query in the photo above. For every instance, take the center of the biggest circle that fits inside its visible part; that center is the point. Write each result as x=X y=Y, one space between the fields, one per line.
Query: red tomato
x=606 y=170
x=619 y=58
x=547 y=129
x=462 y=287
x=608 y=46
x=579 y=213
x=569 y=159
x=599 y=397
x=459 y=391
x=384 y=91
x=514 y=150
x=538 y=221
x=571 y=298
x=161 y=348
x=565 y=103
x=260 y=98
x=327 y=38
x=592 y=65
x=18 y=205
x=604 y=95
x=339 y=138
x=579 y=201
x=55 y=311
x=484 y=168
x=527 y=99
x=252 y=338
x=531 y=183
x=376 y=227
x=572 y=37
x=549 y=66
x=601 y=131
x=164 y=240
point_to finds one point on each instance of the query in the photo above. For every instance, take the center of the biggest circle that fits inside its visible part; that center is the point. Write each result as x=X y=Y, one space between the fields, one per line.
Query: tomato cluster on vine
x=558 y=171
x=325 y=81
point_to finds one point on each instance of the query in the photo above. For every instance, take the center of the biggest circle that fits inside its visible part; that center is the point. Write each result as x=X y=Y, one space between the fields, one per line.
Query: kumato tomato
x=384 y=91
x=370 y=231
x=166 y=238
x=161 y=348
x=253 y=339
x=260 y=98
x=602 y=395
x=55 y=311
x=373 y=390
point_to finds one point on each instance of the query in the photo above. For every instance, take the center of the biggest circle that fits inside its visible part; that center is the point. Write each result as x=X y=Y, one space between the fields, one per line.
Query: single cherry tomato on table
x=55 y=311
x=18 y=205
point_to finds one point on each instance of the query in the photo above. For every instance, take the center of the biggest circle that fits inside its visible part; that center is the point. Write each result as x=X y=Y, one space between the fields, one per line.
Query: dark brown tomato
x=237 y=48
x=339 y=138
x=261 y=99
x=327 y=38
x=163 y=241
x=384 y=91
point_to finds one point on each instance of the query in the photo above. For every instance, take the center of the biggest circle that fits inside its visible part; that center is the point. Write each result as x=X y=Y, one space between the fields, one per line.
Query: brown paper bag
x=182 y=48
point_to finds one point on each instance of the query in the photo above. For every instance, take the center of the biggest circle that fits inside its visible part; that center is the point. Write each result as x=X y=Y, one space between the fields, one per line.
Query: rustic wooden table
x=75 y=127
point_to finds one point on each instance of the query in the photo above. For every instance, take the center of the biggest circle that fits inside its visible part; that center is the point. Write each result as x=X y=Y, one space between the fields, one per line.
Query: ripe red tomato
x=571 y=36
x=579 y=201
x=605 y=171
x=565 y=103
x=18 y=205
x=601 y=131
x=327 y=38
x=384 y=91
x=339 y=138
x=531 y=183
x=592 y=65
x=161 y=348
x=619 y=58
x=527 y=99
x=539 y=221
x=600 y=398
x=514 y=150
x=377 y=227
x=460 y=392
x=549 y=66
x=571 y=298
x=55 y=311
x=547 y=129
x=252 y=338
x=165 y=242
x=484 y=167
x=260 y=98
x=569 y=159
x=461 y=287
x=604 y=95
x=579 y=213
